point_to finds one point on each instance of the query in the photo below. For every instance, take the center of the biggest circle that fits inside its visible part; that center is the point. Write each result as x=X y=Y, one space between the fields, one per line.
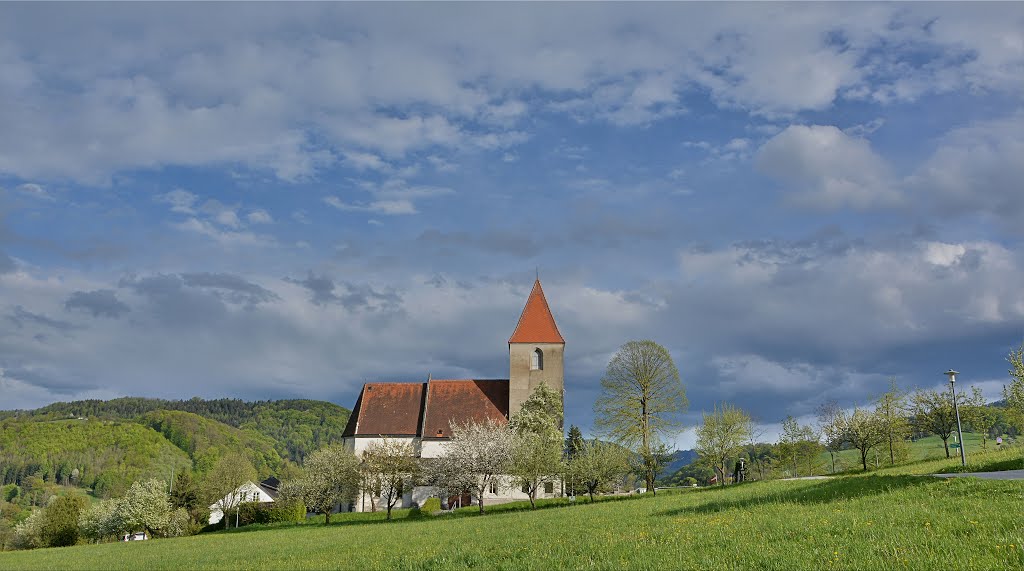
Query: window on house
x=494 y=488
x=526 y=488
x=549 y=487
x=537 y=360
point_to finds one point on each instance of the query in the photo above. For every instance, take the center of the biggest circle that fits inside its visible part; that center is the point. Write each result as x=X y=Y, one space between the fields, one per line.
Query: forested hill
x=297 y=427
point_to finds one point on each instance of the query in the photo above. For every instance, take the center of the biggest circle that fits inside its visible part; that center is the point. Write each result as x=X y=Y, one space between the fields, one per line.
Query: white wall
x=247 y=492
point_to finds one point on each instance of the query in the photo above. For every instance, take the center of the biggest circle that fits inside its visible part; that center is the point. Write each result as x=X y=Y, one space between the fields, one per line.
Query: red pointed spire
x=536 y=324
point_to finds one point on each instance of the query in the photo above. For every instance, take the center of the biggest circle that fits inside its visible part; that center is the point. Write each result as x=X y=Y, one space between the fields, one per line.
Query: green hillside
x=296 y=426
x=108 y=455
x=886 y=520
x=206 y=440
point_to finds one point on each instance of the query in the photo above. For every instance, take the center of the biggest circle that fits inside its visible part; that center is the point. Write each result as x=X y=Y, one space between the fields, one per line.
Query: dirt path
x=1003 y=475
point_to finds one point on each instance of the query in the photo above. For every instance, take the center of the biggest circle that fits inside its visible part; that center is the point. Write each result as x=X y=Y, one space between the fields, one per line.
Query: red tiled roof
x=536 y=324
x=422 y=409
x=460 y=401
x=387 y=409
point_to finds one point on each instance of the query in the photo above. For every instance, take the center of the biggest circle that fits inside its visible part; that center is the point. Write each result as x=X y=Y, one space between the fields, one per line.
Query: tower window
x=537 y=360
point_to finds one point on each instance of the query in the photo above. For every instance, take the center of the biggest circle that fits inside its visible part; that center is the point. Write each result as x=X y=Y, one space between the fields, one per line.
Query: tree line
x=882 y=429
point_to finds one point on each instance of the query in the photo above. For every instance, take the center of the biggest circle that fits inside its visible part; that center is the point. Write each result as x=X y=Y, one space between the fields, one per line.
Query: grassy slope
x=883 y=520
x=922 y=449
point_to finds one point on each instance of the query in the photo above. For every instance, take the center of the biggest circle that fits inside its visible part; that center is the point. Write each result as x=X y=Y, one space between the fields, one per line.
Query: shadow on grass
x=990 y=466
x=820 y=493
x=410 y=516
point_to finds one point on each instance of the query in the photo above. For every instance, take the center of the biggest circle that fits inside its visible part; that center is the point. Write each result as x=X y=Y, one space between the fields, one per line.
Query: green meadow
x=889 y=519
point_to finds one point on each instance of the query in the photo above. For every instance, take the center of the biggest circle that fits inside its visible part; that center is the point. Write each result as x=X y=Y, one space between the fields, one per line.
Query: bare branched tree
x=642 y=399
x=832 y=423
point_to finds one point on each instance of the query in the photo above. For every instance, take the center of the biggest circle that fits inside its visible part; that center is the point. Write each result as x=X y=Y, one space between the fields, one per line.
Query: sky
x=800 y=201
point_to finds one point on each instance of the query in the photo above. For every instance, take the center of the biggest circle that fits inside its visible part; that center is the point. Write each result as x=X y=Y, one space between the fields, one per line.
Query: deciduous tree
x=799 y=444
x=891 y=412
x=832 y=423
x=722 y=436
x=864 y=432
x=933 y=412
x=537 y=443
x=1013 y=393
x=331 y=477
x=641 y=399
x=978 y=414
x=478 y=455
x=598 y=465
x=392 y=465
x=222 y=482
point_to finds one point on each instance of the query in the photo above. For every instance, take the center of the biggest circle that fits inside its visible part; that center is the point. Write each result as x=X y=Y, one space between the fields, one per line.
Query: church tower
x=536 y=352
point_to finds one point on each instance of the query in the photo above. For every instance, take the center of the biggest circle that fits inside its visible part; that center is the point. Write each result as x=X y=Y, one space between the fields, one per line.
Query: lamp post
x=960 y=433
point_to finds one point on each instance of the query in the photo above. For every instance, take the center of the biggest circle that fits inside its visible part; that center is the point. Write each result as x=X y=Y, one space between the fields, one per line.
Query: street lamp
x=960 y=433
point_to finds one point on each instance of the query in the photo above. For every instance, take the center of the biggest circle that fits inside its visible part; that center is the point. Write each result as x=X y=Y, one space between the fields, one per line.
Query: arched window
x=537 y=362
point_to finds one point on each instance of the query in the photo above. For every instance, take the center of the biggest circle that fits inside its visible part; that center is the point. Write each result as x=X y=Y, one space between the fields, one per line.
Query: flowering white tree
x=537 y=443
x=101 y=520
x=145 y=506
x=331 y=478
x=478 y=456
x=391 y=465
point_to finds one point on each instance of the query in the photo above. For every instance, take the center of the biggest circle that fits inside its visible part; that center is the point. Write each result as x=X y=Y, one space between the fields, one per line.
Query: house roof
x=536 y=324
x=423 y=409
x=461 y=401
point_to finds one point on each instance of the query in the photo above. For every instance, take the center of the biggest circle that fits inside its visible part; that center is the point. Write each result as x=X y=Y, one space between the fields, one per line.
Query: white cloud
x=259 y=216
x=226 y=238
x=366 y=82
x=365 y=161
x=828 y=169
x=977 y=168
x=390 y=207
x=228 y=218
x=181 y=201
x=35 y=191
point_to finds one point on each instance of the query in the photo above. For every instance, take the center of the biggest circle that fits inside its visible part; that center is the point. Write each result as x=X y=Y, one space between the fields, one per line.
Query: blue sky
x=268 y=201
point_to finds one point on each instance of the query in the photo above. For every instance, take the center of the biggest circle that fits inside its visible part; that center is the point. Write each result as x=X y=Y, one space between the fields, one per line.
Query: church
x=421 y=413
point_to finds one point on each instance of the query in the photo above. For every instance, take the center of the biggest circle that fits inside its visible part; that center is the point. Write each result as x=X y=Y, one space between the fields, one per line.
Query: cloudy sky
x=274 y=201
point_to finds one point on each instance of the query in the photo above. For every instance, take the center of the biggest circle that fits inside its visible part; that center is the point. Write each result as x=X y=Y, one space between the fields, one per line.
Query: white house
x=421 y=413
x=263 y=492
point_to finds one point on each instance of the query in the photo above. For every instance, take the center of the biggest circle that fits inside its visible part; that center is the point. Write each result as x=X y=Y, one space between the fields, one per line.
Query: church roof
x=536 y=324
x=423 y=409
x=391 y=409
x=460 y=401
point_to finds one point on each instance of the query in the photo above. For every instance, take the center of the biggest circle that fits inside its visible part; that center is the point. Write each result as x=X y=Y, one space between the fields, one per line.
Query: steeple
x=536 y=324
x=536 y=352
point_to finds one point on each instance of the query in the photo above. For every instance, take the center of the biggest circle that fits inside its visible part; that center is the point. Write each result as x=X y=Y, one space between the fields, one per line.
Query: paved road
x=1004 y=475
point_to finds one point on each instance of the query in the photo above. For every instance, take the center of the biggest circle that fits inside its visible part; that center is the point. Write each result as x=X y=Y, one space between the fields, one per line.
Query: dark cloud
x=230 y=287
x=321 y=287
x=100 y=303
x=60 y=384
x=172 y=302
x=7 y=264
x=20 y=316
x=351 y=296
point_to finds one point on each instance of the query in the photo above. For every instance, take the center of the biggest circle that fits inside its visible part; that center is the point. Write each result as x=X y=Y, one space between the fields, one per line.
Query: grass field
x=890 y=519
x=929 y=448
